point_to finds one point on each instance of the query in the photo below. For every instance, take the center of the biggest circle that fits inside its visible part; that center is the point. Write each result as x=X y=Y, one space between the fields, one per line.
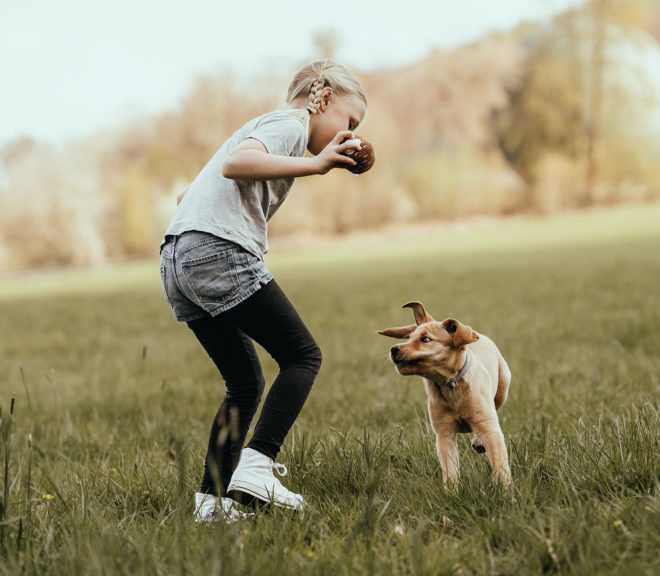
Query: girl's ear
x=326 y=96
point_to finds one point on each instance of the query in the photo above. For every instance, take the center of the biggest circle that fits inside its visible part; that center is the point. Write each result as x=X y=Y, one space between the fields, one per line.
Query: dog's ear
x=399 y=332
x=421 y=315
x=461 y=334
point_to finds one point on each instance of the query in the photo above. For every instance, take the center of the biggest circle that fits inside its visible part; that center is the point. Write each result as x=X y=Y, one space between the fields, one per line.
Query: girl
x=215 y=279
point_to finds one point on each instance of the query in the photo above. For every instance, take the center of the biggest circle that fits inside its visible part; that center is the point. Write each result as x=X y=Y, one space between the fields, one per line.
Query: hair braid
x=314 y=77
x=314 y=97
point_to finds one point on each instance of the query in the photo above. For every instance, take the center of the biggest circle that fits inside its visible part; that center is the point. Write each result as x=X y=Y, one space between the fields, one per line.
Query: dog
x=467 y=380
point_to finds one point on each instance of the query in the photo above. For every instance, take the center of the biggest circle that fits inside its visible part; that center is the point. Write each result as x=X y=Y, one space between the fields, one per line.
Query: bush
x=51 y=209
x=460 y=184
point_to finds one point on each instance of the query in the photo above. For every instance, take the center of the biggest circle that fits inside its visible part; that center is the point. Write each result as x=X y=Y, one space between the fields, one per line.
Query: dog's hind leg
x=503 y=383
x=496 y=452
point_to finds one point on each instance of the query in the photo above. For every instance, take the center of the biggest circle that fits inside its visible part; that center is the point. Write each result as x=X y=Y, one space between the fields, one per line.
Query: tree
x=544 y=112
x=326 y=42
x=598 y=47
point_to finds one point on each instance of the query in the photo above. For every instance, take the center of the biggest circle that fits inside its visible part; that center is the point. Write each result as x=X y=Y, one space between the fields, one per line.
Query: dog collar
x=453 y=381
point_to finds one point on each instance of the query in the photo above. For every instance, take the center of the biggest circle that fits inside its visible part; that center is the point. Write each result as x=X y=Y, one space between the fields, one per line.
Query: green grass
x=118 y=398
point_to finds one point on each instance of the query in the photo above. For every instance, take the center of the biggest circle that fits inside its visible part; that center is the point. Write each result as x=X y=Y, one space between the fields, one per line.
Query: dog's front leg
x=491 y=434
x=447 y=451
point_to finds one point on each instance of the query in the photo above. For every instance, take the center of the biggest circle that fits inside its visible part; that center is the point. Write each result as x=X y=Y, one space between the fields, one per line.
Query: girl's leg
x=270 y=319
x=235 y=357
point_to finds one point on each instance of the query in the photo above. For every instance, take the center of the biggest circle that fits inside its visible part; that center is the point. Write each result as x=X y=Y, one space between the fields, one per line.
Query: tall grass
x=113 y=400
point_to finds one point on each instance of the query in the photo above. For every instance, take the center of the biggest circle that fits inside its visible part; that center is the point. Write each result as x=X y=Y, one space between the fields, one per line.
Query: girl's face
x=336 y=113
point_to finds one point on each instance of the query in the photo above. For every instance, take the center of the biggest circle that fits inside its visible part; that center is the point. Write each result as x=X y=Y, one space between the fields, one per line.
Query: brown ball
x=365 y=157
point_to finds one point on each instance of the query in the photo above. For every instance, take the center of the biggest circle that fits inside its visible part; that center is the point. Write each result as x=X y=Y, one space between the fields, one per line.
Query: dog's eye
x=425 y=339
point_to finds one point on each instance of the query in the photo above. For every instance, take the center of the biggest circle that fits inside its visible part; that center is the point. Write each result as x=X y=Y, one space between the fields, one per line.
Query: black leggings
x=270 y=319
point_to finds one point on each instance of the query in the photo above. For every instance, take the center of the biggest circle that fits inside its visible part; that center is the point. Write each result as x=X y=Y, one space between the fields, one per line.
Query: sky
x=70 y=68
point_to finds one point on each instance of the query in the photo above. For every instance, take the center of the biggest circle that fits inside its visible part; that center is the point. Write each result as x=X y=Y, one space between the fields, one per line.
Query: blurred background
x=516 y=188
x=478 y=109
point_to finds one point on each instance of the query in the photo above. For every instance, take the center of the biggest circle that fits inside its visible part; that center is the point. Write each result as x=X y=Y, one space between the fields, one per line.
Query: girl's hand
x=332 y=156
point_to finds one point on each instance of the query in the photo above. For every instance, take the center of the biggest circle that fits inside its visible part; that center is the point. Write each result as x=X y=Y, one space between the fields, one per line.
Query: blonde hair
x=311 y=79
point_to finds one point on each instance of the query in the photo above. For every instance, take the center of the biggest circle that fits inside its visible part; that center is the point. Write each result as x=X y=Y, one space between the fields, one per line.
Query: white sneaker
x=209 y=508
x=254 y=476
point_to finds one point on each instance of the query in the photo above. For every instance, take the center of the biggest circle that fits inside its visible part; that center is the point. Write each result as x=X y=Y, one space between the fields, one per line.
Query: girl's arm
x=180 y=196
x=251 y=160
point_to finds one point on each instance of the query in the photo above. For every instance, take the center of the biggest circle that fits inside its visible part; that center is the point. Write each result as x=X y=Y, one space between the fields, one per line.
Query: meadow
x=112 y=402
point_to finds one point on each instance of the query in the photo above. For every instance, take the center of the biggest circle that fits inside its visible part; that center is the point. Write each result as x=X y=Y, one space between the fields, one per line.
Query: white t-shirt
x=240 y=209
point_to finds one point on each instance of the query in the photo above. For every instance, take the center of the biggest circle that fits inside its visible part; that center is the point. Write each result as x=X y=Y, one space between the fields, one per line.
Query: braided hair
x=314 y=97
x=312 y=78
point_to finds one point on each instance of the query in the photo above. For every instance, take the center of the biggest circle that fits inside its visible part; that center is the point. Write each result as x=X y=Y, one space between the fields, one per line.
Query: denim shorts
x=203 y=275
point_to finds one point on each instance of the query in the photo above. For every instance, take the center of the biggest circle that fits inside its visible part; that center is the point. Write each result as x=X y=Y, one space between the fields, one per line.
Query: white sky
x=70 y=67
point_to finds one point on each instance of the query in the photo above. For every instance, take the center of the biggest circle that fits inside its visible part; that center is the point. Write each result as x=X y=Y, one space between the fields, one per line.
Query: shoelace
x=280 y=469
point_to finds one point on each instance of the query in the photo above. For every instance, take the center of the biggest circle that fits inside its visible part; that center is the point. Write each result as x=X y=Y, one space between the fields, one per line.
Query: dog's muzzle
x=397 y=357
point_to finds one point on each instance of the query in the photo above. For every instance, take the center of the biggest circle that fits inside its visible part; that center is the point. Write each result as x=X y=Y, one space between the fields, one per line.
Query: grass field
x=117 y=399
